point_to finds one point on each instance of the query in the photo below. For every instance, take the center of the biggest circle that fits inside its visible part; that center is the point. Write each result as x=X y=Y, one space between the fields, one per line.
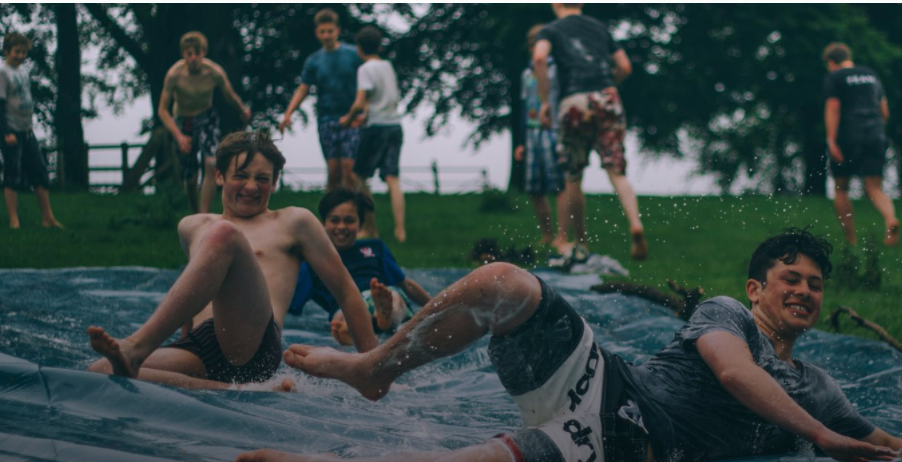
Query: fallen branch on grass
x=833 y=319
x=682 y=305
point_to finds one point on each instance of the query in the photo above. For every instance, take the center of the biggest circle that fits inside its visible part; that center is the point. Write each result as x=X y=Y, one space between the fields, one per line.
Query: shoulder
x=214 y=68
x=189 y=225
x=176 y=69
x=297 y=216
x=723 y=307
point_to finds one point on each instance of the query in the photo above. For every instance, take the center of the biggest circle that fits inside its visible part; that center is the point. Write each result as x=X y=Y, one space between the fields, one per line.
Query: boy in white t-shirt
x=380 y=145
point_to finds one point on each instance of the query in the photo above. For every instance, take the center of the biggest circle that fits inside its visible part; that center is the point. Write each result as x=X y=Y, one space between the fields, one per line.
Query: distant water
x=51 y=410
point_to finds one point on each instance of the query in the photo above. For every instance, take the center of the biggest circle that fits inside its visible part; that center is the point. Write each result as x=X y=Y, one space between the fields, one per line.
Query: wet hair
x=837 y=52
x=253 y=143
x=787 y=247
x=369 y=39
x=325 y=16
x=193 y=40
x=15 y=39
x=339 y=196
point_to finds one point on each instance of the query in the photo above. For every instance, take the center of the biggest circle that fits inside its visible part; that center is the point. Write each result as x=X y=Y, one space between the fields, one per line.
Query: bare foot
x=340 y=332
x=892 y=234
x=115 y=351
x=52 y=224
x=639 y=247
x=329 y=363
x=382 y=298
x=400 y=234
x=565 y=248
x=14 y=224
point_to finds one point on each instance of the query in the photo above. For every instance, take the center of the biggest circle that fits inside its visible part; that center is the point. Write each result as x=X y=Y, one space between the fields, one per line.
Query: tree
x=67 y=117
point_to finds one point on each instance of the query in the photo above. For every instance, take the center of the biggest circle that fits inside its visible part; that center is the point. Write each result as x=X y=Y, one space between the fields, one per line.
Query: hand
x=835 y=152
x=518 y=153
x=344 y=121
x=11 y=139
x=269 y=455
x=184 y=143
x=246 y=115
x=358 y=121
x=285 y=123
x=847 y=449
x=545 y=115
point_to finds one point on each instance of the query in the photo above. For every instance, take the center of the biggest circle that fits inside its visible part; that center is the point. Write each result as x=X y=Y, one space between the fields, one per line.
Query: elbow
x=729 y=379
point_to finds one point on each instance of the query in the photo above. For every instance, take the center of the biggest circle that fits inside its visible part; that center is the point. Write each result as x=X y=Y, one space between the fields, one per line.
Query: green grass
x=696 y=241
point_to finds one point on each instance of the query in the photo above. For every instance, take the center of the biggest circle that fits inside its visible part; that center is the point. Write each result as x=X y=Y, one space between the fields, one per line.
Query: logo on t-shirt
x=367 y=252
x=860 y=79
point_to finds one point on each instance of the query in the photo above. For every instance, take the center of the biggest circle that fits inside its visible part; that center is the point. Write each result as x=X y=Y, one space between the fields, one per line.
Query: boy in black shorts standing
x=855 y=114
x=25 y=165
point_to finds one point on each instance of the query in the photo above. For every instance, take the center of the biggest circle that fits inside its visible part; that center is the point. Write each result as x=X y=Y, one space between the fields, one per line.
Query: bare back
x=193 y=92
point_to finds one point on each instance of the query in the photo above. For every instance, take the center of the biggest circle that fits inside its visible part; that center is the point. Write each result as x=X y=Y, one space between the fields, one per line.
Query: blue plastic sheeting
x=51 y=410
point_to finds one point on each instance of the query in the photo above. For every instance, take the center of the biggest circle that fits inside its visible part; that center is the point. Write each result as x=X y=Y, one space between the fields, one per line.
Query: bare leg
x=639 y=246
x=543 y=215
x=563 y=219
x=843 y=206
x=873 y=186
x=369 y=219
x=223 y=270
x=208 y=185
x=191 y=191
x=333 y=177
x=495 y=298
x=490 y=451
x=12 y=207
x=576 y=213
x=47 y=218
x=397 y=207
x=348 y=177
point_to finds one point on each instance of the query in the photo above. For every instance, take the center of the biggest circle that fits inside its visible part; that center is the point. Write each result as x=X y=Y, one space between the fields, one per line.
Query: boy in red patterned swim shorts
x=590 y=65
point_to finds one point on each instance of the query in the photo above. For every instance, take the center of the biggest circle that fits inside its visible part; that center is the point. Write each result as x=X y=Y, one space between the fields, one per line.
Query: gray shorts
x=24 y=165
x=567 y=390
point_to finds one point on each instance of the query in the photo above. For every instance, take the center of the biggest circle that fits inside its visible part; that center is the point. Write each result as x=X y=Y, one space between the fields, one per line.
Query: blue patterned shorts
x=337 y=142
x=543 y=173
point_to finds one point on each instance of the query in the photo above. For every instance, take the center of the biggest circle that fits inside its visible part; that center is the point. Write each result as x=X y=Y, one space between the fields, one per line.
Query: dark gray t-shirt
x=582 y=48
x=15 y=88
x=691 y=417
x=859 y=92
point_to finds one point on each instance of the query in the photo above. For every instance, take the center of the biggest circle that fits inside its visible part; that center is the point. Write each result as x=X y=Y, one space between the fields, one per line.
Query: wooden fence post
x=124 y=147
x=435 y=176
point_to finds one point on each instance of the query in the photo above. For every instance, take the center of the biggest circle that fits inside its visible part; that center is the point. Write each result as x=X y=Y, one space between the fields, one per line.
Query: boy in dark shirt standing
x=591 y=113
x=855 y=115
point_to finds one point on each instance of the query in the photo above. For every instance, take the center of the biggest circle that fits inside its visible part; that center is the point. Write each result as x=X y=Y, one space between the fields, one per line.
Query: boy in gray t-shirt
x=380 y=144
x=24 y=164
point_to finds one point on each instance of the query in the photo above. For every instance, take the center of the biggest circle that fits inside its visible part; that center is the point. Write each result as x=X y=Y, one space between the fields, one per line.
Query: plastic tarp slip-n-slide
x=51 y=409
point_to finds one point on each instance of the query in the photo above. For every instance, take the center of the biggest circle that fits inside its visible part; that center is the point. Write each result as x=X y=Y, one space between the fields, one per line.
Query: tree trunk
x=67 y=119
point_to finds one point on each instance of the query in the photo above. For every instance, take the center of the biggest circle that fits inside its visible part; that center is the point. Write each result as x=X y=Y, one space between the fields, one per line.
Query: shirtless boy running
x=241 y=273
x=192 y=81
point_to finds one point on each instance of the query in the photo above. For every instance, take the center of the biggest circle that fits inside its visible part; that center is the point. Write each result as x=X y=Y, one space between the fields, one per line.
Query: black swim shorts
x=202 y=343
x=24 y=164
x=204 y=132
x=862 y=159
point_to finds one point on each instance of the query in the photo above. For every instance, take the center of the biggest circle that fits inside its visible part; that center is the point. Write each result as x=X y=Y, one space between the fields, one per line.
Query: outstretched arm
x=884 y=109
x=415 y=291
x=490 y=451
x=324 y=259
x=230 y=96
x=299 y=95
x=731 y=361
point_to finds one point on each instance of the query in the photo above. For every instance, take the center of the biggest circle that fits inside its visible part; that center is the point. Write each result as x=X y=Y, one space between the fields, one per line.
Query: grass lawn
x=696 y=241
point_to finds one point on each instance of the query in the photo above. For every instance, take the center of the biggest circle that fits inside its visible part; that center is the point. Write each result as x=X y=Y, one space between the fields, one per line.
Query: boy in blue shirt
x=538 y=143
x=332 y=70
x=371 y=265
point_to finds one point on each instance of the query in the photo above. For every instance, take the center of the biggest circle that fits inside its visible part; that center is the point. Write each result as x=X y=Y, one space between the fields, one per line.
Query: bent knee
x=223 y=234
x=101 y=366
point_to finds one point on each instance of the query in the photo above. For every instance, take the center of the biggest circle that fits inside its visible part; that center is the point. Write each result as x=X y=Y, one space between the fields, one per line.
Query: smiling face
x=245 y=192
x=789 y=303
x=327 y=34
x=342 y=224
x=16 y=55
